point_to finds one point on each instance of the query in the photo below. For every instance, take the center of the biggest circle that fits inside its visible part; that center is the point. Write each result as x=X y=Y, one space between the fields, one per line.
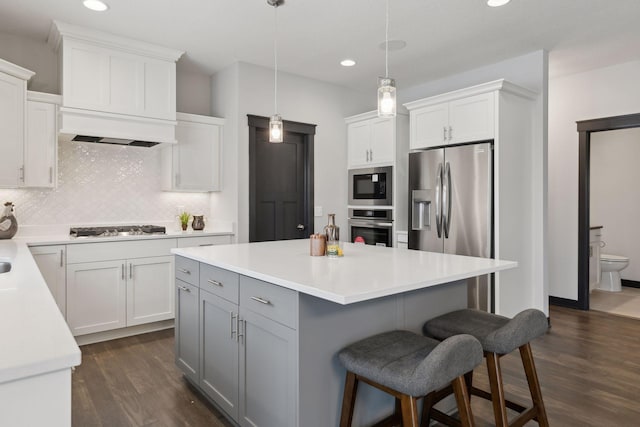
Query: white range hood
x=115 y=90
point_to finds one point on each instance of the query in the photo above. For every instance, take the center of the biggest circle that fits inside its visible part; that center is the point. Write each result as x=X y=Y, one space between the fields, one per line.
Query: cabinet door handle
x=590 y=251
x=50 y=174
x=261 y=300
x=22 y=173
x=183 y=288
x=215 y=282
x=241 y=323
x=444 y=133
x=450 y=132
x=130 y=270
x=233 y=317
x=371 y=154
x=122 y=265
x=367 y=154
x=206 y=244
x=177 y=180
x=61 y=257
x=182 y=270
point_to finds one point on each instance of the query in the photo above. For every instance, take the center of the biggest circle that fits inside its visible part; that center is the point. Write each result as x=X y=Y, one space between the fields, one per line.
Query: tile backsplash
x=101 y=183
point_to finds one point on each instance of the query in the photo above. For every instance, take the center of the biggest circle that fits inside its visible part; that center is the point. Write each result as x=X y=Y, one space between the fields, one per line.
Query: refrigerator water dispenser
x=420 y=209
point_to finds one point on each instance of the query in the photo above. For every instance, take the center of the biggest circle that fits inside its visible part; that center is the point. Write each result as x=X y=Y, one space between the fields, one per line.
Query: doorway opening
x=585 y=129
x=280 y=181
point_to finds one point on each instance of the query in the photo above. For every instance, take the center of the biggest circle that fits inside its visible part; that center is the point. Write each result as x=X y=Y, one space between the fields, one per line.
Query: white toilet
x=611 y=265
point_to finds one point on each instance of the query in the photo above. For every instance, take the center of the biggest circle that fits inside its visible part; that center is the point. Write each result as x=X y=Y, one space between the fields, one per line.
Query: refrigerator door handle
x=438 y=199
x=446 y=201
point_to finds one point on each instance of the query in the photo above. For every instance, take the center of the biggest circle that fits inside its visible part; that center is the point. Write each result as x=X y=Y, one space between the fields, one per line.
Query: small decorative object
x=8 y=222
x=331 y=230
x=334 y=249
x=198 y=222
x=317 y=244
x=359 y=240
x=184 y=220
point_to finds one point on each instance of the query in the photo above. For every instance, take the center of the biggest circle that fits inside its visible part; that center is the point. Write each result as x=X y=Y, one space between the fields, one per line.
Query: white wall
x=193 y=92
x=604 y=92
x=529 y=71
x=614 y=196
x=299 y=99
x=34 y=55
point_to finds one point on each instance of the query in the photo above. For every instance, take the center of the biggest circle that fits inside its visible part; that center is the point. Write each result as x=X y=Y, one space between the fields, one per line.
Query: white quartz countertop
x=363 y=273
x=34 y=335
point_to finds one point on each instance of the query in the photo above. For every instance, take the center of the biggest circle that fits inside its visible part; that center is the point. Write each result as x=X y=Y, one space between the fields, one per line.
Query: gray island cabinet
x=258 y=325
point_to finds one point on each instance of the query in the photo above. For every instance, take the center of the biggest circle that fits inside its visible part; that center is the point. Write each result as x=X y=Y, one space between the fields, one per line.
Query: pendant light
x=386 y=85
x=276 y=131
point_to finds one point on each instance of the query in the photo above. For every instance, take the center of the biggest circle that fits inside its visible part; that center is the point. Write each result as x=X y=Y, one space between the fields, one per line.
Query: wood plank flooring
x=588 y=364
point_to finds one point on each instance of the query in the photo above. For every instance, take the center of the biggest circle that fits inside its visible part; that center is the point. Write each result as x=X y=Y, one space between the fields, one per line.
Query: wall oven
x=371 y=186
x=374 y=226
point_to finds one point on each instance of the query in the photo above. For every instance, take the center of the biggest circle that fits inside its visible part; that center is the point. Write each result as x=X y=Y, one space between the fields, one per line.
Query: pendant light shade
x=276 y=131
x=386 y=85
x=275 y=128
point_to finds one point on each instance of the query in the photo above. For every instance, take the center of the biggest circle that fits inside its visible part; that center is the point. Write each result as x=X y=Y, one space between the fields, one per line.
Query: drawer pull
x=182 y=270
x=215 y=282
x=182 y=288
x=261 y=300
x=206 y=244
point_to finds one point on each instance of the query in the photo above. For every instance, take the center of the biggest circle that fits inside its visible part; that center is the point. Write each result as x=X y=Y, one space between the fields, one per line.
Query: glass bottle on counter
x=332 y=231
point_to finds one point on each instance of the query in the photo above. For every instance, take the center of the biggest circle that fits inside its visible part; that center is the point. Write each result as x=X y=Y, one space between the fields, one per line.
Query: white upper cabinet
x=41 y=142
x=371 y=140
x=13 y=93
x=439 y=121
x=193 y=164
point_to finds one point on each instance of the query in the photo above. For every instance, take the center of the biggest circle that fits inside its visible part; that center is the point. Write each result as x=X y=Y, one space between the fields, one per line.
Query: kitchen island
x=258 y=325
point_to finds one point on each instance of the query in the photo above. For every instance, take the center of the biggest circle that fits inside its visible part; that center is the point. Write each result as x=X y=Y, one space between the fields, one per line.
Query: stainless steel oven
x=371 y=186
x=373 y=226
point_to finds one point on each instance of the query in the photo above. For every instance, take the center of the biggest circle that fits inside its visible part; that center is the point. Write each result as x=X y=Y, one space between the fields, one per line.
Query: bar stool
x=499 y=336
x=409 y=366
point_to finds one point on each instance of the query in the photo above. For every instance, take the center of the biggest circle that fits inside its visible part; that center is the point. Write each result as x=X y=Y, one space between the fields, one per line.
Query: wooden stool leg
x=534 y=386
x=497 y=390
x=409 y=411
x=348 y=399
x=468 y=379
x=462 y=399
x=429 y=401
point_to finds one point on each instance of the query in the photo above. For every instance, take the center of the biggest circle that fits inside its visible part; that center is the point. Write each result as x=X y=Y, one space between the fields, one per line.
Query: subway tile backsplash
x=101 y=183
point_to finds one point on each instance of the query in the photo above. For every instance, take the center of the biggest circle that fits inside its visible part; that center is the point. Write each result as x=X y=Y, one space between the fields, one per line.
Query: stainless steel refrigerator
x=450 y=207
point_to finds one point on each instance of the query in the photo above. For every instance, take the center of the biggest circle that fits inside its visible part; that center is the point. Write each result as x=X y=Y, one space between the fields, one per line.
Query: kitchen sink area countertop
x=35 y=336
x=364 y=272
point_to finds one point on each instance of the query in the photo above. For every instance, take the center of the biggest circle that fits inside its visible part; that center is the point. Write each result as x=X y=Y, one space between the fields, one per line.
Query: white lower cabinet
x=247 y=347
x=51 y=263
x=150 y=290
x=96 y=295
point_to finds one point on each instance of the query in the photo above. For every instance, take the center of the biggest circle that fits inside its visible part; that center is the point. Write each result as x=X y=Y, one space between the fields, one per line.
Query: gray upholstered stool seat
x=408 y=366
x=499 y=336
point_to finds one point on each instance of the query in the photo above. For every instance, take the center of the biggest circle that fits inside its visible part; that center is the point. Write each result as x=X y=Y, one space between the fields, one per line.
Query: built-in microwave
x=371 y=186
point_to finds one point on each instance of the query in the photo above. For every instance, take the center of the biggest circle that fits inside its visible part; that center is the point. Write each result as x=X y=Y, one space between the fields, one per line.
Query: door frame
x=308 y=132
x=585 y=129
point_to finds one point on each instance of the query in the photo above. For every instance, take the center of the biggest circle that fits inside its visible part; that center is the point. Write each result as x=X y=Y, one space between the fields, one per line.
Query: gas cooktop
x=117 y=230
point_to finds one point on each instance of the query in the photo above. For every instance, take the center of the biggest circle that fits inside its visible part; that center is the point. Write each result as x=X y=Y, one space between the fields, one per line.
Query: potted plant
x=184 y=220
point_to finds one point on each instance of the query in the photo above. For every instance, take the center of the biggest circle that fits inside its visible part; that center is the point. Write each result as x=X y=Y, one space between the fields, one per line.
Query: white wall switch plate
x=317 y=211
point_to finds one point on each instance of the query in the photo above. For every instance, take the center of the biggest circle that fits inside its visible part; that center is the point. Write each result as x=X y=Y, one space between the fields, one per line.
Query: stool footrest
x=444 y=418
x=508 y=403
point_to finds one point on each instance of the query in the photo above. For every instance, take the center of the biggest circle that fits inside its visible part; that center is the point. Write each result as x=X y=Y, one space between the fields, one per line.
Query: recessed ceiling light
x=347 y=62
x=496 y=3
x=96 y=5
x=393 y=45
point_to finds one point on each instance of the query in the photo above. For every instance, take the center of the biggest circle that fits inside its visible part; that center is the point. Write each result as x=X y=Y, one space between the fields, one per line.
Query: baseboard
x=564 y=302
x=124 y=332
x=630 y=283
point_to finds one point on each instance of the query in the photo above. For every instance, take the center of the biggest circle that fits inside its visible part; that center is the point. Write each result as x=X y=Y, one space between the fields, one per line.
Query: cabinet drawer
x=223 y=283
x=126 y=249
x=269 y=300
x=187 y=242
x=187 y=270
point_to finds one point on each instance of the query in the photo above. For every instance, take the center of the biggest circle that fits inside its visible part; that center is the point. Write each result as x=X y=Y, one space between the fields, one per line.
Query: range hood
x=115 y=90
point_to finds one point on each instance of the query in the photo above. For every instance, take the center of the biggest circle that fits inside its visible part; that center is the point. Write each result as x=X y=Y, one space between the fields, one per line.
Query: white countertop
x=364 y=273
x=34 y=335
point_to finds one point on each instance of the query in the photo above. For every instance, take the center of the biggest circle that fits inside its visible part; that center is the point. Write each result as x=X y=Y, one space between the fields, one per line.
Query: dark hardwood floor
x=588 y=364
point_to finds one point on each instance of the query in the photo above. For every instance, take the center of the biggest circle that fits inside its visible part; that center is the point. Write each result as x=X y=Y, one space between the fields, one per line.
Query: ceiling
x=443 y=36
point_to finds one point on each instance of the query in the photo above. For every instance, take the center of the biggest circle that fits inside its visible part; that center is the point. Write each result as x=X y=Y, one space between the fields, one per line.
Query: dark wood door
x=281 y=182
